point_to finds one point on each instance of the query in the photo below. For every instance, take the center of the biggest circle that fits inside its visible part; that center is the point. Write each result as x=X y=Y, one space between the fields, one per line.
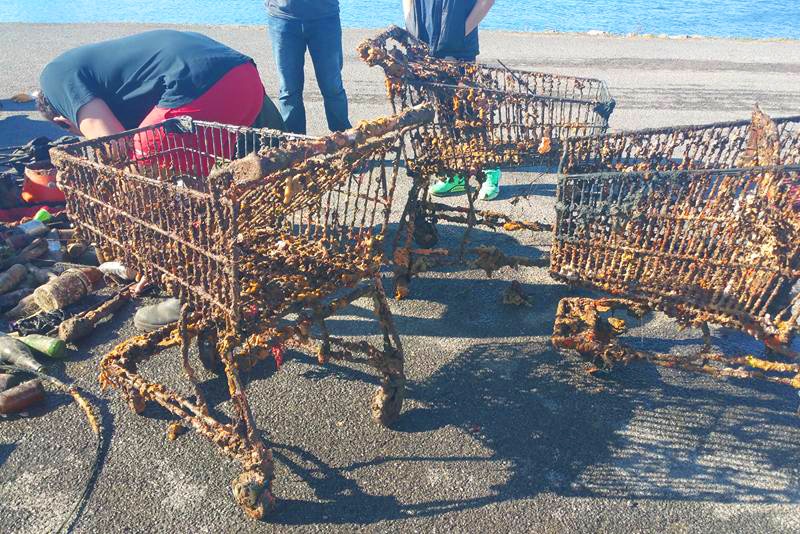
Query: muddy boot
x=153 y=317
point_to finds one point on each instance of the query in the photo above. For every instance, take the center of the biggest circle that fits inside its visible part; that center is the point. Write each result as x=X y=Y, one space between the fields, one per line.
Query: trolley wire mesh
x=701 y=222
x=485 y=115
x=246 y=227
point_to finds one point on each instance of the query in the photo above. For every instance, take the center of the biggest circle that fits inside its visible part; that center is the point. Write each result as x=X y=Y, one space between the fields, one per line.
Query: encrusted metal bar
x=586 y=326
x=723 y=145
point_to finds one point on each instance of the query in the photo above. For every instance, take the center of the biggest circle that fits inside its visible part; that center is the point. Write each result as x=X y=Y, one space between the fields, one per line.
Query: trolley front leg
x=707 y=348
x=253 y=488
x=387 y=402
x=472 y=196
x=242 y=442
x=183 y=332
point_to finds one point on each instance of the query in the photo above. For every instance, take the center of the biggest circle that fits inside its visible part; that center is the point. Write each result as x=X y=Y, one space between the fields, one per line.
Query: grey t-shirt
x=303 y=9
x=133 y=74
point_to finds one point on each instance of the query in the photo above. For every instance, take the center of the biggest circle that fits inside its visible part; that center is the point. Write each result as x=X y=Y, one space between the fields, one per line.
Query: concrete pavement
x=500 y=433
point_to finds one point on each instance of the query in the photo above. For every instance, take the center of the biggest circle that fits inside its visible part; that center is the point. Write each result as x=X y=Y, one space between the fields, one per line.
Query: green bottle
x=52 y=347
x=43 y=216
x=17 y=354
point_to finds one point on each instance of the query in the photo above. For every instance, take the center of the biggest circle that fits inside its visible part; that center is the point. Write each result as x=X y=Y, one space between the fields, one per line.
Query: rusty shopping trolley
x=260 y=247
x=701 y=222
x=486 y=117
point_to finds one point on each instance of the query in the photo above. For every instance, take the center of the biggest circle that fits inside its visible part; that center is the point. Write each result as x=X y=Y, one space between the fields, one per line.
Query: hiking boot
x=453 y=185
x=491 y=186
x=150 y=318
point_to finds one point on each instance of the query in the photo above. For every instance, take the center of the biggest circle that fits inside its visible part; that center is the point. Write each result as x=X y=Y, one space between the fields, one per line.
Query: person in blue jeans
x=297 y=25
x=450 y=28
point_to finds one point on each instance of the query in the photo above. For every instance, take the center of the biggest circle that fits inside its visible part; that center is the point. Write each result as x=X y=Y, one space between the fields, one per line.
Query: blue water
x=722 y=18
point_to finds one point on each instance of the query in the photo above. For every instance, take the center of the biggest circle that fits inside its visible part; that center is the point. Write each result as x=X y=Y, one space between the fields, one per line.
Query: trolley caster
x=388 y=402
x=207 y=352
x=136 y=402
x=253 y=494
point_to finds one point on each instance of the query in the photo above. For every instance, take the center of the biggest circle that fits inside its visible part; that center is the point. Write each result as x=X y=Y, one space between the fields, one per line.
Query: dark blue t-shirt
x=303 y=9
x=164 y=68
x=440 y=23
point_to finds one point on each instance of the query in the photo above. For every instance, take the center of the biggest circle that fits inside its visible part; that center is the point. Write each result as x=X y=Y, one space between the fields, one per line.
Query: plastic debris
x=46 y=345
x=13 y=277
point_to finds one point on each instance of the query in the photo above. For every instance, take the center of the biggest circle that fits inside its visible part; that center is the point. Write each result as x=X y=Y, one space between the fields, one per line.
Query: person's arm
x=477 y=14
x=408 y=11
x=408 y=6
x=95 y=119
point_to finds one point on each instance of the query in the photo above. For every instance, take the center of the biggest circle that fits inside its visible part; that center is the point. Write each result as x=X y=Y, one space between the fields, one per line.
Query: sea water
x=721 y=18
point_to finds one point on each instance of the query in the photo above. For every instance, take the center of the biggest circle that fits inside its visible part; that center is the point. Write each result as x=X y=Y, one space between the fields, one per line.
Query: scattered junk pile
x=265 y=235
x=28 y=180
x=49 y=287
x=43 y=272
x=485 y=117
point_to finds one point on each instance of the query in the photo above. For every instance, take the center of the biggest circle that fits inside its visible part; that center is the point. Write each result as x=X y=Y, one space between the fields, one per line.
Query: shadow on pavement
x=471 y=309
x=551 y=427
x=510 y=191
x=101 y=452
x=450 y=236
x=5 y=451
x=19 y=129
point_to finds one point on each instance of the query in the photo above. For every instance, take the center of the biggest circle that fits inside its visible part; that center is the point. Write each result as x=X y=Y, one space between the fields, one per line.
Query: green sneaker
x=454 y=185
x=491 y=186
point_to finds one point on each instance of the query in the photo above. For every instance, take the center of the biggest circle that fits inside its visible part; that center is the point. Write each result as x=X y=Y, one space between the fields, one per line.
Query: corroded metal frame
x=486 y=116
x=700 y=222
x=260 y=247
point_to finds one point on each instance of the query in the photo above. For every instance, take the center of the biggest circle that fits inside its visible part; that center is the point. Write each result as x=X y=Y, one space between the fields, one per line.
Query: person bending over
x=108 y=87
x=450 y=28
x=297 y=25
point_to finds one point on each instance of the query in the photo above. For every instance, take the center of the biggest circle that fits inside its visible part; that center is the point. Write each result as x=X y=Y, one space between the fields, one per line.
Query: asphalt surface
x=500 y=433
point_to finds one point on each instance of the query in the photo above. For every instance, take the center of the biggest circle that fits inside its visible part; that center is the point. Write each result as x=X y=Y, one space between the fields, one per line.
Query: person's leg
x=235 y=99
x=289 y=50
x=324 y=38
x=270 y=117
x=450 y=185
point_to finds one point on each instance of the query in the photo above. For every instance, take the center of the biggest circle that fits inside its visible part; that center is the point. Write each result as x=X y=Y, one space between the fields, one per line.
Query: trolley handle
x=395 y=32
x=249 y=172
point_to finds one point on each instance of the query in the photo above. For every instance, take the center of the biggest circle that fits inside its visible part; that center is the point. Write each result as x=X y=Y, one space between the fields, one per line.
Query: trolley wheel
x=387 y=403
x=136 y=402
x=207 y=351
x=252 y=494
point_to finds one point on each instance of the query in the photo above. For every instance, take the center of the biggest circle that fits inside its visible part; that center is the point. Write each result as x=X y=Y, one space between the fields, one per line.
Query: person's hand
x=96 y=119
x=478 y=13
